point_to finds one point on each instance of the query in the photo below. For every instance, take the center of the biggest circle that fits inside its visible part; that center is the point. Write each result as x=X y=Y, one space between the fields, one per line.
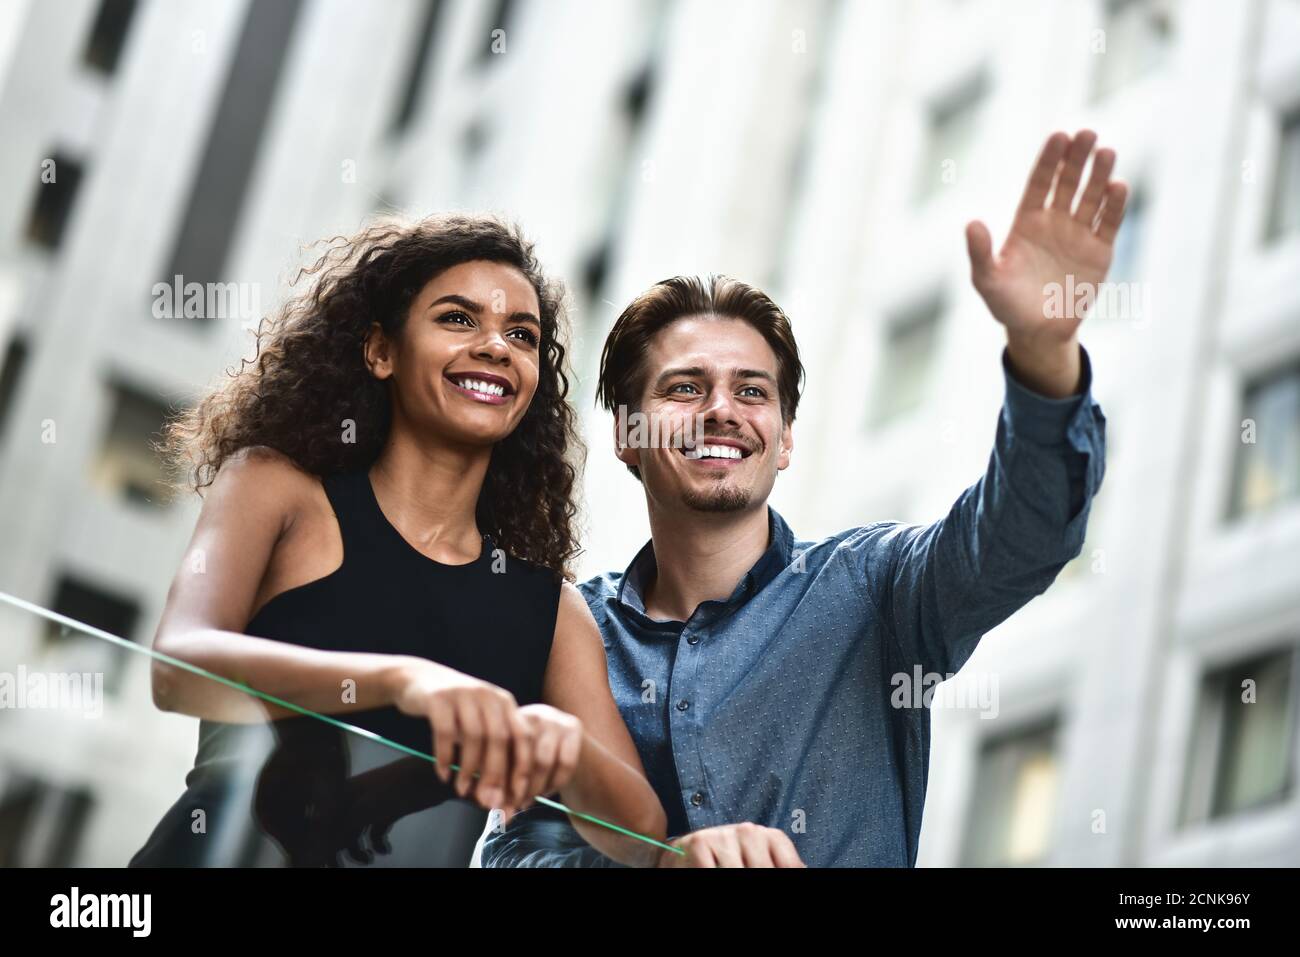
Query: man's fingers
x=1067 y=180
x=1112 y=211
x=1044 y=171
x=784 y=853
x=1090 y=202
x=980 y=246
x=755 y=847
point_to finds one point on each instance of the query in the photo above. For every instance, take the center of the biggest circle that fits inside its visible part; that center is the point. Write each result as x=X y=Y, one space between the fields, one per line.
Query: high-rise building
x=829 y=151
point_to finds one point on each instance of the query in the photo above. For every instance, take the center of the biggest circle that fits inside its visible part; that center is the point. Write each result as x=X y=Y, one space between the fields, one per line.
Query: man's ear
x=787 y=446
x=626 y=454
x=378 y=352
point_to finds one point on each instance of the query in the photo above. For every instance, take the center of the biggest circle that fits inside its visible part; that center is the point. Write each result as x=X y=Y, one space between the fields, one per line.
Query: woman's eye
x=527 y=335
x=456 y=318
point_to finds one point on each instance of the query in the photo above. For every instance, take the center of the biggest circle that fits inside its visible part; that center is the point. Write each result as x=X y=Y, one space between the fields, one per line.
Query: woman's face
x=465 y=365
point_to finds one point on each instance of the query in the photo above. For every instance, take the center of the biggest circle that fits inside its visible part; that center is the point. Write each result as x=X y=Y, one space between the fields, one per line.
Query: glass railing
x=92 y=774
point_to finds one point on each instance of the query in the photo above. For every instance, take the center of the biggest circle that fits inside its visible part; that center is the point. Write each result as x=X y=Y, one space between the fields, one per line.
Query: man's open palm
x=1051 y=238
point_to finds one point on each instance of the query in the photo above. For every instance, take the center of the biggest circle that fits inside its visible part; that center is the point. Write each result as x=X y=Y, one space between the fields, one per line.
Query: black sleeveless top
x=493 y=618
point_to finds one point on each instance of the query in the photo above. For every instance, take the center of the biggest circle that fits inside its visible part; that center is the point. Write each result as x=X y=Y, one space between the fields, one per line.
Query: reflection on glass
x=89 y=778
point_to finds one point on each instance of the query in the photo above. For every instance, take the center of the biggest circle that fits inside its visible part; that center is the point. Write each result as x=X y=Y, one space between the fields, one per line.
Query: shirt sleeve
x=541 y=837
x=940 y=587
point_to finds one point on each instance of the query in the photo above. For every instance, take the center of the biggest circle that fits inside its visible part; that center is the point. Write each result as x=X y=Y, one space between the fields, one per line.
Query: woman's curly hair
x=308 y=379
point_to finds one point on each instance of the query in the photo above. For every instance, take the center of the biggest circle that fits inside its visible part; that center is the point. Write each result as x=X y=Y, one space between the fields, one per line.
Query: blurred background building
x=830 y=151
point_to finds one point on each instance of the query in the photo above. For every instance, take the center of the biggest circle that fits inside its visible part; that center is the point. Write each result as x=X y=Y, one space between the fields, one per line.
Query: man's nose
x=720 y=406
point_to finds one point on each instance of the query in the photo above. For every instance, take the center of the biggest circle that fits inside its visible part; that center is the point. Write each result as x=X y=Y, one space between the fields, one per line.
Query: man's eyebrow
x=695 y=371
x=699 y=372
x=477 y=308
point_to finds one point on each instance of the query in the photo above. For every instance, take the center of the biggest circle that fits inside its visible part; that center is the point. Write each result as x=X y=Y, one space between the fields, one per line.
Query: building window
x=71 y=650
x=217 y=194
x=417 y=68
x=499 y=20
x=128 y=465
x=1134 y=42
x=1268 y=459
x=11 y=372
x=41 y=825
x=1240 y=754
x=1128 y=241
x=1284 y=218
x=108 y=35
x=56 y=192
x=951 y=136
x=1014 y=803
x=904 y=371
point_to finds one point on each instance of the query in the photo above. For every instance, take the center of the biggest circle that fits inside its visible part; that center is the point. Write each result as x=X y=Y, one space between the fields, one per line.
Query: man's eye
x=755 y=392
x=682 y=385
x=527 y=335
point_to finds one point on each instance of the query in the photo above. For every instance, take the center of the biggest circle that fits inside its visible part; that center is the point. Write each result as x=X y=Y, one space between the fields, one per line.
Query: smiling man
x=755 y=670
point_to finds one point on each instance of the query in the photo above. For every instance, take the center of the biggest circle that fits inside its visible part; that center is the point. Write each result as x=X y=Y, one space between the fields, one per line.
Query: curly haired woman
x=387 y=533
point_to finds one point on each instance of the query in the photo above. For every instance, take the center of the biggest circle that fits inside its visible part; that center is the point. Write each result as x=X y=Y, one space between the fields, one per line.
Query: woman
x=387 y=534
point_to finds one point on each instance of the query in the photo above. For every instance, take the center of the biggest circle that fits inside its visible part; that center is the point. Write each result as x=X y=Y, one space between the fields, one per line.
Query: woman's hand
x=506 y=754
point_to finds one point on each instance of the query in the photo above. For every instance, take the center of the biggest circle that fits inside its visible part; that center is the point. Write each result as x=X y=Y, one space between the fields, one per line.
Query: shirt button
x=693 y=639
x=683 y=705
x=697 y=799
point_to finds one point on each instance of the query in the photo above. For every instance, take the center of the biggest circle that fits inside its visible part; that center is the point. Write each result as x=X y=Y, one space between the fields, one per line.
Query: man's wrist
x=1053 y=370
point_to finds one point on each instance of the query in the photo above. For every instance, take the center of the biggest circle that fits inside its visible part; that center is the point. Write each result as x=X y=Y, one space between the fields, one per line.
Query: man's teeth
x=714 y=452
x=487 y=388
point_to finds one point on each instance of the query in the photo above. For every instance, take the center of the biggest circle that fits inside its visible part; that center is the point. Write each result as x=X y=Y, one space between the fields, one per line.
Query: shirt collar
x=778 y=555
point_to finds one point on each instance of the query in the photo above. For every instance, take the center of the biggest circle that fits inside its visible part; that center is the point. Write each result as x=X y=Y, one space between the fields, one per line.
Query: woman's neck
x=429 y=492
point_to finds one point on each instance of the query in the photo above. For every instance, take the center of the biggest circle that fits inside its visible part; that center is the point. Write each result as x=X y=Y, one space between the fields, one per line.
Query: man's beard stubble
x=724 y=499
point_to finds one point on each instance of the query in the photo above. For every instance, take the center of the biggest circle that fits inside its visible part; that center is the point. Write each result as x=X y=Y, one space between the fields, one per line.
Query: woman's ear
x=378 y=352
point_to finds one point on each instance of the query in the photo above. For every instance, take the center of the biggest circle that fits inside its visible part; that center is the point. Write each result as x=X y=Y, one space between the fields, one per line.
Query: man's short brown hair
x=622 y=362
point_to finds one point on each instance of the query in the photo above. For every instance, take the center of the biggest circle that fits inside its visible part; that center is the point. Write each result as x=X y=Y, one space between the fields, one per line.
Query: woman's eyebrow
x=465 y=303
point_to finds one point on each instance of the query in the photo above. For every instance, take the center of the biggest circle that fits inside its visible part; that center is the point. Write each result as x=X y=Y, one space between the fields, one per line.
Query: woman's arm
x=609 y=781
x=249 y=511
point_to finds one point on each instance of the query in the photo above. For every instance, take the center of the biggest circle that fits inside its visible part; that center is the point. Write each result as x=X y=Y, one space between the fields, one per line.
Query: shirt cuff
x=1036 y=417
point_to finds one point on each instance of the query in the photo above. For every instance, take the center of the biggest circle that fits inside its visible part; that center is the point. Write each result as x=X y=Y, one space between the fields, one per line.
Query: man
x=756 y=671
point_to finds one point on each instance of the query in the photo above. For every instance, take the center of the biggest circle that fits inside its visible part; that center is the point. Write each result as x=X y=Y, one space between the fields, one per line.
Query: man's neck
x=701 y=556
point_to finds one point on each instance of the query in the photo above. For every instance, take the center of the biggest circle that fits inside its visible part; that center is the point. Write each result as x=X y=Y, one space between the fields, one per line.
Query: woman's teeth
x=714 y=452
x=476 y=385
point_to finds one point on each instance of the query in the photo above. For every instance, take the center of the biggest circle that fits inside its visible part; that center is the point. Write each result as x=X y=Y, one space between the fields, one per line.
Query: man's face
x=721 y=374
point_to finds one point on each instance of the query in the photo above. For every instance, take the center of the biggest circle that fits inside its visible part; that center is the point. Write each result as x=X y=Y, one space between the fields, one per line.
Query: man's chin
x=723 y=499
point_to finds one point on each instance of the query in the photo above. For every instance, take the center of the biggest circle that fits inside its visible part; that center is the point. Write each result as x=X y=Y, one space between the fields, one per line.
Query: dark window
x=1013 y=808
x=1285 y=217
x=500 y=20
x=418 y=67
x=1240 y=750
x=41 y=825
x=11 y=371
x=1268 y=457
x=216 y=198
x=128 y=463
x=108 y=35
x=56 y=191
x=70 y=649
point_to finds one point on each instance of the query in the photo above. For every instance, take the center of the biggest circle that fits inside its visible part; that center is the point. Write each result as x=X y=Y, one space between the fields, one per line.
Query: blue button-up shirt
x=780 y=704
